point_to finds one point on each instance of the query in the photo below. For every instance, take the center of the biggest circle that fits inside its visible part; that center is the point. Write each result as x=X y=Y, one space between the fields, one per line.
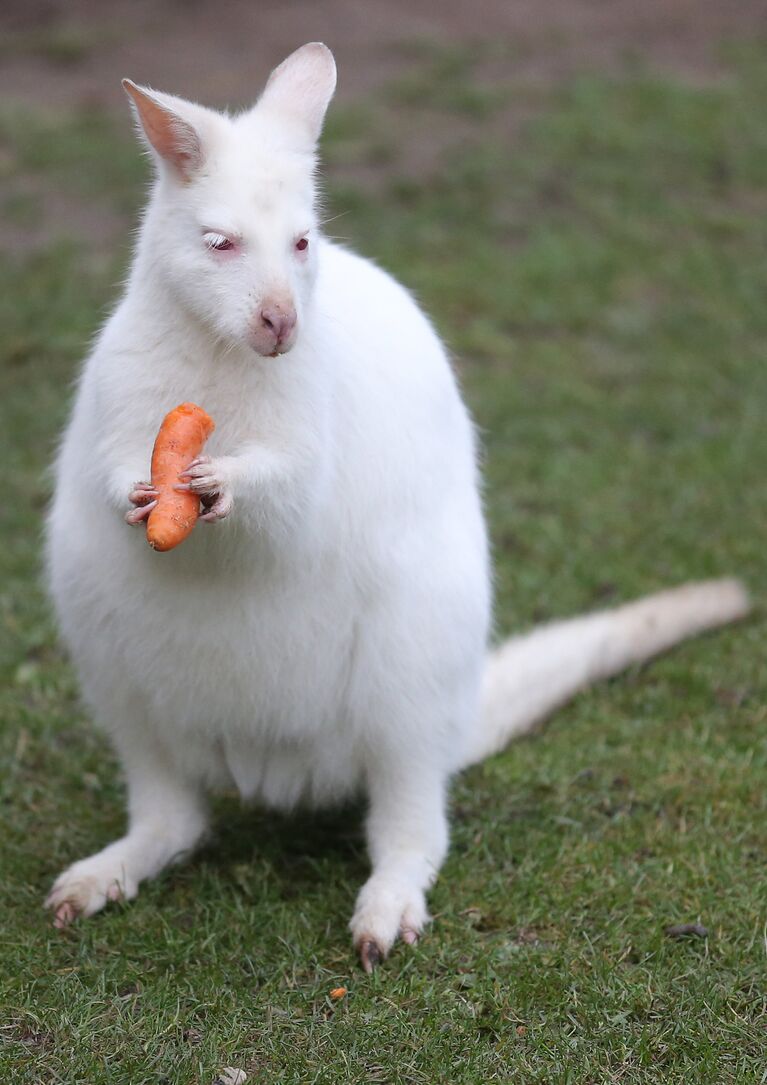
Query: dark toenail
x=370 y=955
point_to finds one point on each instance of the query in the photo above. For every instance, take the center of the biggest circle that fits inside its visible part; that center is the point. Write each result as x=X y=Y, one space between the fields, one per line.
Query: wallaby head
x=232 y=224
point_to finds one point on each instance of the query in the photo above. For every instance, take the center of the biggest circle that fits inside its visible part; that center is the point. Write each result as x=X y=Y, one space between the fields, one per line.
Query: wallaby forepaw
x=208 y=478
x=143 y=497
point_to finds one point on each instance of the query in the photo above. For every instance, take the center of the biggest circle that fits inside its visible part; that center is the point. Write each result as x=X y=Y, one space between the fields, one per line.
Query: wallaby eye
x=217 y=241
x=302 y=245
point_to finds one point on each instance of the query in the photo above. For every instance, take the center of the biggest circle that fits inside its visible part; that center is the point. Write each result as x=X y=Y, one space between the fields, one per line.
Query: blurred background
x=577 y=192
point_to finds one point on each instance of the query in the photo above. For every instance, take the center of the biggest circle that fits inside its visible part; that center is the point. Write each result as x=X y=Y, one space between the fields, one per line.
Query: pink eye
x=218 y=242
x=302 y=245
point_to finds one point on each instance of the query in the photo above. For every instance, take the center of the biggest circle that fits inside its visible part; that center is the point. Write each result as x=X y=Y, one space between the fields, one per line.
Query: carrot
x=180 y=440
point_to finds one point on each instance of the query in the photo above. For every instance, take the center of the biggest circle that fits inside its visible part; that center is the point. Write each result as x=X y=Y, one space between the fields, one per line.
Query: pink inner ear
x=173 y=138
x=159 y=133
x=183 y=145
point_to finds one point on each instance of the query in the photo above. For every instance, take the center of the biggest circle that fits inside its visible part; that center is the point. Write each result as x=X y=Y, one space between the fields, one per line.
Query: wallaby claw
x=370 y=955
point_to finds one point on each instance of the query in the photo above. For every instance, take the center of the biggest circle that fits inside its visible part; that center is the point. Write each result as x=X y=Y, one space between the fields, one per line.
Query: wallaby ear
x=298 y=92
x=175 y=139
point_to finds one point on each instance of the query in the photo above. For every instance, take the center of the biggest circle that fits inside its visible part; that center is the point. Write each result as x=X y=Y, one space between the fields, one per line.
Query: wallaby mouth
x=281 y=349
x=270 y=350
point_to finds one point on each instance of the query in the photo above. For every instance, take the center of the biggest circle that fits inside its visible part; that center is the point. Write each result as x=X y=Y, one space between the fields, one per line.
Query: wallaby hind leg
x=167 y=817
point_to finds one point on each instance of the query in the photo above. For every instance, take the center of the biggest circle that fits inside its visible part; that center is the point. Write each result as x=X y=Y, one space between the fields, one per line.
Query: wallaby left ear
x=300 y=89
x=172 y=137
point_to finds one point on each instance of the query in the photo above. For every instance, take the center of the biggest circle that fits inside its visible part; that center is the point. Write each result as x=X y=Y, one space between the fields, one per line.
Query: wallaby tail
x=529 y=676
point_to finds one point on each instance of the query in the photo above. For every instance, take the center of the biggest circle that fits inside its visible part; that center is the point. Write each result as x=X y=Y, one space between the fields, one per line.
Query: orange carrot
x=180 y=440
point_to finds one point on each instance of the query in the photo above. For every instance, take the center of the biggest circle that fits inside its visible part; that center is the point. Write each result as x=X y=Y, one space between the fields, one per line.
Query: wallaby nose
x=279 y=321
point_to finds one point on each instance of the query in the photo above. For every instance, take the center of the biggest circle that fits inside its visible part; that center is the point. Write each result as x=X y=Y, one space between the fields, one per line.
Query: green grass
x=602 y=283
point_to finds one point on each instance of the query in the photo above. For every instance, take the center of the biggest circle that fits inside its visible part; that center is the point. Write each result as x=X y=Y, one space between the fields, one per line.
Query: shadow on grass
x=297 y=848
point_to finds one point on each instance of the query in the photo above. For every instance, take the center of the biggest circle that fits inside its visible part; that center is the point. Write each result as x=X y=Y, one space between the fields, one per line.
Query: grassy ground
x=603 y=286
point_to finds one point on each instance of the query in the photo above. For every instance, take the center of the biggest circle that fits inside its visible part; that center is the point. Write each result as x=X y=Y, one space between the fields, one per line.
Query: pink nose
x=278 y=321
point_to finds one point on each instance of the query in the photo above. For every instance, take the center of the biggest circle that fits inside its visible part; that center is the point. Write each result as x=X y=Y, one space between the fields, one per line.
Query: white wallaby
x=326 y=634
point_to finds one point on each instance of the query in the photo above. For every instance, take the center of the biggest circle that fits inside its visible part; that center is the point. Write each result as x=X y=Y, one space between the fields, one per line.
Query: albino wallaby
x=326 y=634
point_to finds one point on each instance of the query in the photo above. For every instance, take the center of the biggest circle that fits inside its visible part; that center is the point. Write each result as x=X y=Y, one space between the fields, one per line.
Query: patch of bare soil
x=59 y=52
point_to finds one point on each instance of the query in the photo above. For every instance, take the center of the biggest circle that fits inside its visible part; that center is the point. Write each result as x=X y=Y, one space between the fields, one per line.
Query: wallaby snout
x=273 y=327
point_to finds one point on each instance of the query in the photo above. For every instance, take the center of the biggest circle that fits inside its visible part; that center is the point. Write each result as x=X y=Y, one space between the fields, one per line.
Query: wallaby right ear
x=299 y=90
x=170 y=135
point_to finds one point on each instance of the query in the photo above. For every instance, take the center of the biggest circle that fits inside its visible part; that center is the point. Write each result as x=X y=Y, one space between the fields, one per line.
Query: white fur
x=329 y=637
